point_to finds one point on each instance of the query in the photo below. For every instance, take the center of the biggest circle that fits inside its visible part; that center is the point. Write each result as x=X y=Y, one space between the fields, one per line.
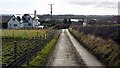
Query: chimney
x=35 y=14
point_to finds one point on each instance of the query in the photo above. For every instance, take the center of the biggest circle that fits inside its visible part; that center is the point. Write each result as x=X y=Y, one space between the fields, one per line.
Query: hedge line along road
x=69 y=52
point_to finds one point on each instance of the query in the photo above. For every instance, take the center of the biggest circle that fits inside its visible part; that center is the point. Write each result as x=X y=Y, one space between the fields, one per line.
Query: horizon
x=61 y=14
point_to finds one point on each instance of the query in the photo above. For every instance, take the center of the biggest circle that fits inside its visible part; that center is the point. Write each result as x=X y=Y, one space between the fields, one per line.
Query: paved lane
x=69 y=52
x=87 y=57
x=63 y=54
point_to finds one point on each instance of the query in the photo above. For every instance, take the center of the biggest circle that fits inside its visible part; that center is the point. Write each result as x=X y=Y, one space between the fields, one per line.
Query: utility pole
x=51 y=10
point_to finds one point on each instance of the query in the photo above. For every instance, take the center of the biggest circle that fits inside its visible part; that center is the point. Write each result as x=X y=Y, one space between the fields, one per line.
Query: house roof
x=19 y=16
x=5 y=18
x=32 y=16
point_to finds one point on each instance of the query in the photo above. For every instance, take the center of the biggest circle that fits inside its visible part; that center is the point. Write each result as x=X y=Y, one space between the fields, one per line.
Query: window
x=28 y=18
x=13 y=19
x=10 y=24
x=26 y=21
x=29 y=24
x=15 y=24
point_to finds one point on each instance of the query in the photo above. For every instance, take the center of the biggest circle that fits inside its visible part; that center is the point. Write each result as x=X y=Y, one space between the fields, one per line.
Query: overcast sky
x=81 y=7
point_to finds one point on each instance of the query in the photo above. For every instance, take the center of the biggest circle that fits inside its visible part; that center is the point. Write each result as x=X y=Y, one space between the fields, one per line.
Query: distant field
x=22 y=33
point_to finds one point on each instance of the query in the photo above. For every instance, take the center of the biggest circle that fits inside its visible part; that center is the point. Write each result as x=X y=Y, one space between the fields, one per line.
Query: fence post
x=45 y=36
x=37 y=33
x=13 y=33
x=40 y=38
x=35 y=40
x=15 y=51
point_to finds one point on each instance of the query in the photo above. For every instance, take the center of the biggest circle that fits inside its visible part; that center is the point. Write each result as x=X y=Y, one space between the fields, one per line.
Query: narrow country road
x=68 y=52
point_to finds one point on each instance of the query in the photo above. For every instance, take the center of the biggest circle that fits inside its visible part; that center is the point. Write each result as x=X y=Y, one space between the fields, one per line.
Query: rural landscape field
x=101 y=41
x=60 y=34
x=25 y=40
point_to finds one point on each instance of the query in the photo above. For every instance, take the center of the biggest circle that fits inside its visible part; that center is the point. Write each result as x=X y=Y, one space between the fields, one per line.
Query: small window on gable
x=10 y=24
x=13 y=19
x=28 y=18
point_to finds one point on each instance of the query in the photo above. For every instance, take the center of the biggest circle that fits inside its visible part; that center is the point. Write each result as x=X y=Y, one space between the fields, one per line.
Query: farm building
x=21 y=21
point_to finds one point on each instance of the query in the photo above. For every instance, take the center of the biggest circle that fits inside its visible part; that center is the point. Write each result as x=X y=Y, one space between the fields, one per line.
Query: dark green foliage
x=112 y=32
x=69 y=21
x=65 y=21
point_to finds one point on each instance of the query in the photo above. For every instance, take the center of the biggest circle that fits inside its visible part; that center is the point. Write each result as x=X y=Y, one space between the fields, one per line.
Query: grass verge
x=107 y=51
x=42 y=56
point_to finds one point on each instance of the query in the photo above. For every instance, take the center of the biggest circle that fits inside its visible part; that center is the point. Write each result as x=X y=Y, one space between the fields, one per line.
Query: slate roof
x=6 y=18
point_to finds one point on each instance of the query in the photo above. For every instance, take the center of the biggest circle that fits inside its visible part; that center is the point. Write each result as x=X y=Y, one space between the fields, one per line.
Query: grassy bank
x=106 y=51
x=41 y=57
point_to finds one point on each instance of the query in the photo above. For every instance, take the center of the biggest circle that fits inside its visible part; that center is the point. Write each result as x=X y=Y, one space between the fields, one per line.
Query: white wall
x=25 y=24
x=84 y=24
x=14 y=24
x=35 y=23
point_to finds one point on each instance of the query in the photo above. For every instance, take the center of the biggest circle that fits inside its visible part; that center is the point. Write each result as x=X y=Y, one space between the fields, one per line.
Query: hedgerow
x=107 y=51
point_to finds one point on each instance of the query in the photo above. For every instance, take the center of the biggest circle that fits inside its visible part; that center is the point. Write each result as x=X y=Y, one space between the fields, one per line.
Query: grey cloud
x=83 y=3
x=107 y=4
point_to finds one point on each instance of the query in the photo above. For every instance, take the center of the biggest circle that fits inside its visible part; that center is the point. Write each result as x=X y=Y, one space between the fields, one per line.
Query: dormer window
x=13 y=19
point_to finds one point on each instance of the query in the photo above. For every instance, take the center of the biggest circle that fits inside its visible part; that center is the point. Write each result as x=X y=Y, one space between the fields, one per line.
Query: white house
x=13 y=23
x=27 y=21
x=24 y=21
x=36 y=23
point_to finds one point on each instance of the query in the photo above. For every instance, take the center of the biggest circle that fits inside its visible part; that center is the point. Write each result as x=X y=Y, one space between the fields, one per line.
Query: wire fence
x=17 y=51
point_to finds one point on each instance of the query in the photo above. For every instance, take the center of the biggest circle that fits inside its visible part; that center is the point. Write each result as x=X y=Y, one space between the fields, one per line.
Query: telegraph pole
x=51 y=10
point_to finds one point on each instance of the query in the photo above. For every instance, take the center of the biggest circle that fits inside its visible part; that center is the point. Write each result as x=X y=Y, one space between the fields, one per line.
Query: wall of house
x=13 y=23
x=35 y=23
x=28 y=23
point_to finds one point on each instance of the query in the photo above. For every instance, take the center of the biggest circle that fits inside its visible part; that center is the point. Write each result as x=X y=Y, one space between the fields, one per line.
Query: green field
x=26 y=39
x=22 y=33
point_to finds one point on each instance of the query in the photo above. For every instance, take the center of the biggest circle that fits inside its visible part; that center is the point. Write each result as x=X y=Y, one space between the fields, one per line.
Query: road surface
x=69 y=52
